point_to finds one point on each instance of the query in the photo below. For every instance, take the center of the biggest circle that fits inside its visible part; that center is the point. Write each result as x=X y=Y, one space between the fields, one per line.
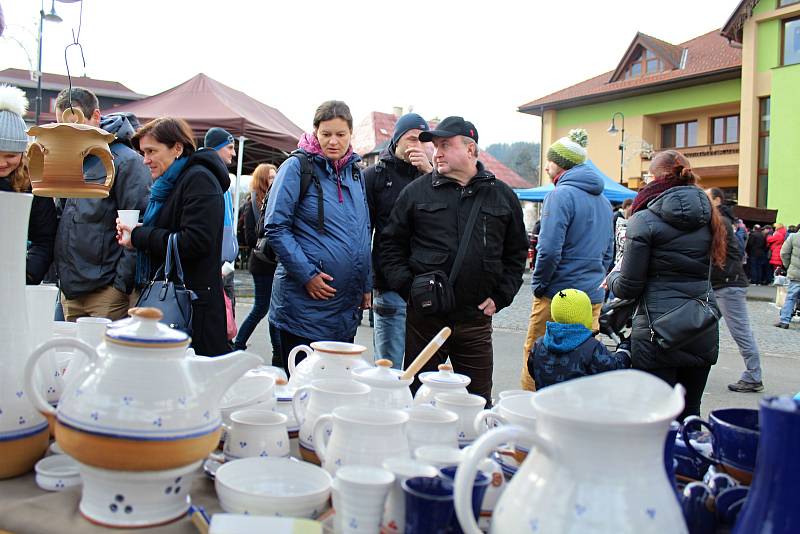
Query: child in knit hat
x=568 y=348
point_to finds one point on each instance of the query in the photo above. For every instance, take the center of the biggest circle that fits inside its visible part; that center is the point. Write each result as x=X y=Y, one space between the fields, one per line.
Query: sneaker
x=782 y=325
x=746 y=387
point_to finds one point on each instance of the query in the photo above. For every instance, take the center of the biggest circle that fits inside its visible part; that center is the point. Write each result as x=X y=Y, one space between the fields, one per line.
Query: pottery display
x=136 y=498
x=325 y=359
x=771 y=506
x=55 y=159
x=63 y=359
x=359 y=496
x=514 y=410
x=734 y=434
x=273 y=486
x=40 y=301
x=442 y=381
x=145 y=405
x=57 y=473
x=389 y=390
x=321 y=397
x=23 y=430
x=429 y=425
x=249 y=391
x=598 y=465
x=394 y=517
x=468 y=407
x=256 y=432
x=360 y=435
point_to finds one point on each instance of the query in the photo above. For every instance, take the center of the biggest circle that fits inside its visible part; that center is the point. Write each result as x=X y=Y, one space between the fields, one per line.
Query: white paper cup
x=128 y=218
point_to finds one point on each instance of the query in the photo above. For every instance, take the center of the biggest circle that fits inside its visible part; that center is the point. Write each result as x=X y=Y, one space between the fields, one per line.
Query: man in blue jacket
x=576 y=241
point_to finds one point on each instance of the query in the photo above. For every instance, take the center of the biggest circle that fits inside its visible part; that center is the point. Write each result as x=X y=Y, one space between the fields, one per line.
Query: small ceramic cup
x=467 y=407
x=394 y=518
x=429 y=505
x=256 y=432
x=361 y=492
x=428 y=425
x=57 y=473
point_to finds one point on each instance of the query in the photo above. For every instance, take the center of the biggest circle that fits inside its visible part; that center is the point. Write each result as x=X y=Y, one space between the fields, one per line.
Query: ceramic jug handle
x=485 y=419
x=297 y=400
x=293 y=356
x=320 y=444
x=104 y=154
x=690 y=421
x=31 y=390
x=465 y=475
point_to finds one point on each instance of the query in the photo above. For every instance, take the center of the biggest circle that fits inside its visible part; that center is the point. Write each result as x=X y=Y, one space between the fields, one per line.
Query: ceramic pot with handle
x=325 y=359
x=147 y=404
x=389 y=390
x=442 y=381
x=598 y=463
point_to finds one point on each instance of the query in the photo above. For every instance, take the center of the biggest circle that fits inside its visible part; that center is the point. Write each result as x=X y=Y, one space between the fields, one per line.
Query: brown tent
x=204 y=103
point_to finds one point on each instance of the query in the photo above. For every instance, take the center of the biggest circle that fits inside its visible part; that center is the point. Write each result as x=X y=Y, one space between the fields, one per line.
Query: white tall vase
x=24 y=432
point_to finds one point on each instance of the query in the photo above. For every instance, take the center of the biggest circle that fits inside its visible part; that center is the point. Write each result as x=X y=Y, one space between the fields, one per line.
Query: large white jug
x=597 y=464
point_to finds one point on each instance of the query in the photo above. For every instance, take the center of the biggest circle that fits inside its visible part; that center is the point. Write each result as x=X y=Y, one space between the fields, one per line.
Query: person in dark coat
x=262 y=271
x=756 y=249
x=186 y=199
x=673 y=237
x=42 y=222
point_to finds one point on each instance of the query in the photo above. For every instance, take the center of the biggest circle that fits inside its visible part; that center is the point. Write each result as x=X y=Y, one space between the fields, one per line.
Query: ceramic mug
x=360 y=495
x=429 y=505
x=735 y=433
x=428 y=425
x=255 y=432
x=394 y=517
x=698 y=506
x=467 y=406
x=479 y=487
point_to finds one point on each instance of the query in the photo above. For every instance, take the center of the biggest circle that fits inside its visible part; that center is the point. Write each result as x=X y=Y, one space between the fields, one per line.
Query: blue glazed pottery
x=735 y=433
x=429 y=505
x=478 y=491
x=772 y=505
x=697 y=502
x=726 y=499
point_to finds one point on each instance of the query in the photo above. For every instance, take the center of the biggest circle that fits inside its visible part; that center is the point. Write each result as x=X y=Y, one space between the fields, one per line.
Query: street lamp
x=613 y=131
x=51 y=17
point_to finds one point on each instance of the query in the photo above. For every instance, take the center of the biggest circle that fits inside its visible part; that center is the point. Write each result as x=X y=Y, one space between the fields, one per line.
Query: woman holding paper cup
x=186 y=199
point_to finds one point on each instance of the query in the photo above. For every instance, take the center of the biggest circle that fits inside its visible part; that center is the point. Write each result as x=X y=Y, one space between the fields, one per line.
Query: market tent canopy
x=204 y=103
x=613 y=191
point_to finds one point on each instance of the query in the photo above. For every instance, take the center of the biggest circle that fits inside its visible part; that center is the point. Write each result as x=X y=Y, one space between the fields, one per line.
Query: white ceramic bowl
x=57 y=473
x=273 y=486
x=248 y=391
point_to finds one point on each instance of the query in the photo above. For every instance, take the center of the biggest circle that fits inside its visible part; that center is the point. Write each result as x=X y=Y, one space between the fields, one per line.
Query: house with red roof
x=373 y=133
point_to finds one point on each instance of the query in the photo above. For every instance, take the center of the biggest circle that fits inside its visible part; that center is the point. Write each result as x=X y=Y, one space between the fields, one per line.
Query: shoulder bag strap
x=465 y=237
x=173 y=257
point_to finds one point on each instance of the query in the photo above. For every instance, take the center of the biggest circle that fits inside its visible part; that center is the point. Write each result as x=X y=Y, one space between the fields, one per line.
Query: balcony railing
x=700 y=151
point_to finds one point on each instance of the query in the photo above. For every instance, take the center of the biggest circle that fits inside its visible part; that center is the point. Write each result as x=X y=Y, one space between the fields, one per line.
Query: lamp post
x=52 y=17
x=613 y=131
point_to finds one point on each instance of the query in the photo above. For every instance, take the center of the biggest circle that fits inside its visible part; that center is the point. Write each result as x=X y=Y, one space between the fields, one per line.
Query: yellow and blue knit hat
x=570 y=150
x=572 y=306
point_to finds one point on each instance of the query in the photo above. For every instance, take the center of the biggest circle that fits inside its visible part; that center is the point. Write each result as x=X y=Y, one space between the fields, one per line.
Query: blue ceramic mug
x=735 y=433
x=478 y=492
x=429 y=505
x=697 y=503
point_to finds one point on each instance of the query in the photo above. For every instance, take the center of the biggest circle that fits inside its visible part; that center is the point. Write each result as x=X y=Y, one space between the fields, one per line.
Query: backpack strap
x=307 y=177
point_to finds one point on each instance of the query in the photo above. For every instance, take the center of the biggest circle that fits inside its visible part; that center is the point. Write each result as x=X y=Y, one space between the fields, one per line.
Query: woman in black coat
x=673 y=235
x=186 y=199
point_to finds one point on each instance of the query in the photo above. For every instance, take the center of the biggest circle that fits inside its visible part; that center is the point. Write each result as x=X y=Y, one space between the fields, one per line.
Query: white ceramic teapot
x=598 y=466
x=389 y=390
x=442 y=381
x=146 y=405
x=325 y=359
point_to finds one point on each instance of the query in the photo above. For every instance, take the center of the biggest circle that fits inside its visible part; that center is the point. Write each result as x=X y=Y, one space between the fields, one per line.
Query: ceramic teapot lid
x=144 y=330
x=445 y=376
x=381 y=372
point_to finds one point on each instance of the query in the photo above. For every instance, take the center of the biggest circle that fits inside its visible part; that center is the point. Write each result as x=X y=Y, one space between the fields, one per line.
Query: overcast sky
x=479 y=59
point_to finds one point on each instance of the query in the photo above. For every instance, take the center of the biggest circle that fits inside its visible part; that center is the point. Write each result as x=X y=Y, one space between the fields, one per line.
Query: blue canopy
x=613 y=191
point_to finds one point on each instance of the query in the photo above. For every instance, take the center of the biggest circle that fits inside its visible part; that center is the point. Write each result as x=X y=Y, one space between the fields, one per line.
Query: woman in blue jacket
x=322 y=283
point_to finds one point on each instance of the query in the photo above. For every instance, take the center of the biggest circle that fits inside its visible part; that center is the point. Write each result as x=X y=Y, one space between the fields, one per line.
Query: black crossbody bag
x=433 y=293
x=685 y=323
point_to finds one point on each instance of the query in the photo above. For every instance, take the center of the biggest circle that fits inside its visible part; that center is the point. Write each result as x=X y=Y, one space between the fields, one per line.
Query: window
x=679 y=135
x=784 y=3
x=763 y=152
x=643 y=61
x=791 y=41
x=725 y=130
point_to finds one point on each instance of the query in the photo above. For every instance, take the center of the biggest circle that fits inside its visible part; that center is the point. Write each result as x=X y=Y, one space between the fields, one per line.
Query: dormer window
x=643 y=61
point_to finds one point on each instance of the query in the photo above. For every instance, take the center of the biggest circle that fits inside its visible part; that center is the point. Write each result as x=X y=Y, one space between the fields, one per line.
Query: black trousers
x=290 y=341
x=469 y=348
x=692 y=378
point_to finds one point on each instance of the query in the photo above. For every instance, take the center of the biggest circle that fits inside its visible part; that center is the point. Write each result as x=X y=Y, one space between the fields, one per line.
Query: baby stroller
x=615 y=319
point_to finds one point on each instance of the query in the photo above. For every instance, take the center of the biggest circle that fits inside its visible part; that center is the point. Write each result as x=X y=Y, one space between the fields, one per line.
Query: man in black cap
x=426 y=227
x=402 y=161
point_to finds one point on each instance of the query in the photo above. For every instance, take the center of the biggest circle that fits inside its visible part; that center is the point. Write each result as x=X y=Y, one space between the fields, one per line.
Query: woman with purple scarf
x=323 y=280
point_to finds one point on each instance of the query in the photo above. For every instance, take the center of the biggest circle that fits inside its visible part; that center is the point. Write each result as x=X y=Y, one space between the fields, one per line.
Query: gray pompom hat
x=13 y=105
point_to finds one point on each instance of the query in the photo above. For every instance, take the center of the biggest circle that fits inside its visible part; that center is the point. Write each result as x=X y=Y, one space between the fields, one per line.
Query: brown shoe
x=743 y=386
x=785 y=326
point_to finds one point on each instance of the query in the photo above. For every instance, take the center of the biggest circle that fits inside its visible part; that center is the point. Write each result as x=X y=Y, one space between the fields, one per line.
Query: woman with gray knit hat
x=14 y=179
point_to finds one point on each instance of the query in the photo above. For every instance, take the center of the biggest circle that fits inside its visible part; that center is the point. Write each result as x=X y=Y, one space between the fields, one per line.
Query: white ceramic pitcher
x=598 y=466
x=325 y=359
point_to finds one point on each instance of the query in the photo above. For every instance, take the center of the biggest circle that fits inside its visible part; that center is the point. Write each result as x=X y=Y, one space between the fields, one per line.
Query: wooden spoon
x=426 y=353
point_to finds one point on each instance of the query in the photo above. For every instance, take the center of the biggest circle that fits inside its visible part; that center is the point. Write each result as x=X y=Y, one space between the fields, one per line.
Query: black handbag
x=685 y=323
x=263 y=251
x=167 y=291
x=433 y=293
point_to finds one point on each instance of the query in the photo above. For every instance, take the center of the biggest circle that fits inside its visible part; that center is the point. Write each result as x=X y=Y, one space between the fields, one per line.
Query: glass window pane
x=650 y=54
x=782 y=3
x=680 y=135
x=717 y=130
x=668 y=136
x=791 y=42
x=652 y=66
x=763 y=186
x=636 y=69
x=692 y=137
x=763 y=153
x=765 y=105
x=732 y=129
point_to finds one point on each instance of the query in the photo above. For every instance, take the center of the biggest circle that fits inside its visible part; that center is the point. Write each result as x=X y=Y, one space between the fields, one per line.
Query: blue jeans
x=732 y=302
x=390 y=327
x=263 y=292
x=791 y=297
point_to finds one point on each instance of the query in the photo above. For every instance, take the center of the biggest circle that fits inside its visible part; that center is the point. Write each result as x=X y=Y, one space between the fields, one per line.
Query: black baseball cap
x=451 y=127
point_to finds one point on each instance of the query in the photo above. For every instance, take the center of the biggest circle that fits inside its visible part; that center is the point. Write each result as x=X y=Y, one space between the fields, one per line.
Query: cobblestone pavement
x=780 y=349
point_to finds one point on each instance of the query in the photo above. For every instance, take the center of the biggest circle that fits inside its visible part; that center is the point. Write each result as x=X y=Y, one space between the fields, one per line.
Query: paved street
x=780 y=349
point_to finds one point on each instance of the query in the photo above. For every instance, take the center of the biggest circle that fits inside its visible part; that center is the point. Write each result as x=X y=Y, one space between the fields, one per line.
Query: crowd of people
x=427 y=236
